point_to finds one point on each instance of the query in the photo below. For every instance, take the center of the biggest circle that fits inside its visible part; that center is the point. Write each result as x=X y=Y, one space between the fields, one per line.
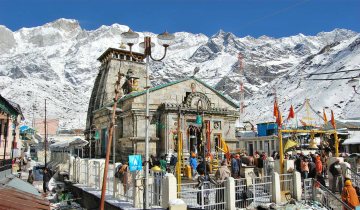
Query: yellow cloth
x=290 y=143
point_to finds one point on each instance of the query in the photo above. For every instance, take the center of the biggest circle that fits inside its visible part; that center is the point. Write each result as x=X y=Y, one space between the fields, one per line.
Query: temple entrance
x=194 y=137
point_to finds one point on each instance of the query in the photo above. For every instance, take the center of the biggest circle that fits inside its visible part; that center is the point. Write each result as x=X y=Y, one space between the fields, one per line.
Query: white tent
x=354 y=138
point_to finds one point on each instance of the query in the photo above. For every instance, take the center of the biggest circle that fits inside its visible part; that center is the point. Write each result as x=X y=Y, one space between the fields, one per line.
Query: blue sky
x=276 y=18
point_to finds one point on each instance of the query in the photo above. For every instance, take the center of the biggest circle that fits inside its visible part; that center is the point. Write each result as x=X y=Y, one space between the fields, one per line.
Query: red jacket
x=318 y=165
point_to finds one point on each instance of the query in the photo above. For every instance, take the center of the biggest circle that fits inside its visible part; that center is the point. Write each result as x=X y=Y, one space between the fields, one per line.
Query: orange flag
x=279 y=119
x=333 y=123
x=291 y=113
x=325 y=118
x=276 y=109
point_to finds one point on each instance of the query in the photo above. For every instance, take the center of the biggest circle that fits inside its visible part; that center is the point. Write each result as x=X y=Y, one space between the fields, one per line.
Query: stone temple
x=174 y=106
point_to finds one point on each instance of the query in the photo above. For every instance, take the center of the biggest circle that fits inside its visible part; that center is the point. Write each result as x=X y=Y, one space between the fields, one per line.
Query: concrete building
x=181 y=101
x=263 y=139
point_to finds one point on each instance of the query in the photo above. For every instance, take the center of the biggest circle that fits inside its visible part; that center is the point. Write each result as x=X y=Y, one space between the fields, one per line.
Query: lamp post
x=165 y=39
x=354 y=83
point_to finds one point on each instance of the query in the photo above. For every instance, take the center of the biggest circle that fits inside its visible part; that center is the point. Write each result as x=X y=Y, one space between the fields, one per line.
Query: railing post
x=137 y=190
x=254 y=188
x=297 y=185
x=169 y=190
x=276 y=191
x=230 y=198
x=202 y=196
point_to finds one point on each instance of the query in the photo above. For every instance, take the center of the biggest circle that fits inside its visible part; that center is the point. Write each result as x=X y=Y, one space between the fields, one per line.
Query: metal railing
x=94 y=175
x=258 y=190
x=354 y=176
x=208 y=196
x=243 y=195
x=314 y=191
x=155 y=190
x=327 y=198
x=308 y=190
x=286 y=183
x=84 y=171
x=125 y=187
x=110 y=180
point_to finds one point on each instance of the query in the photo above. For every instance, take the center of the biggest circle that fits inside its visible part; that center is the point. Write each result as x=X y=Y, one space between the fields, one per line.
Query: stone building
x=10 y=117
x=182 y=101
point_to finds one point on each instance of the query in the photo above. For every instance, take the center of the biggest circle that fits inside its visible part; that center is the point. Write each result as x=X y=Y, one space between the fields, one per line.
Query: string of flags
x=279 y=120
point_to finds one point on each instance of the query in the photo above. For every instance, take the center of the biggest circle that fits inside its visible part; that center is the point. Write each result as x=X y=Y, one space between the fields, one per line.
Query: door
x=251 y=149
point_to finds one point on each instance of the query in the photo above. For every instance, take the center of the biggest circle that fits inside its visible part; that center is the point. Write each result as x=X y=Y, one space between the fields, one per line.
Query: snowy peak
x=58 y=61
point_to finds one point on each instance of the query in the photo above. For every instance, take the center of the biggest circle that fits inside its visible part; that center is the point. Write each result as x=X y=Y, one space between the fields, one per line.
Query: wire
x=342 y=78
x=334 y=72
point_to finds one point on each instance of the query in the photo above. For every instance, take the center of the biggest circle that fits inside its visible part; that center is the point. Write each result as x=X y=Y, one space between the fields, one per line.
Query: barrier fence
x=286 y=183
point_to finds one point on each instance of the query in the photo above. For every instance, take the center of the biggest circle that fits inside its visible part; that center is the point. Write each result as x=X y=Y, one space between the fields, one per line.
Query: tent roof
x=354 y=138
x=77 y=141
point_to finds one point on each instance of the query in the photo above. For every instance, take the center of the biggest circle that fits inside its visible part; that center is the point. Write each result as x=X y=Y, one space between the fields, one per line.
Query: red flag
x=279 y=119
x=291 y=113
x=325 y=118
x=276 y=109
x=333 y=123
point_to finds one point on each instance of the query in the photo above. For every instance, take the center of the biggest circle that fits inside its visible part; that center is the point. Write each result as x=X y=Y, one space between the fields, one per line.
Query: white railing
x=155 y=190
x=95 y=175
x=84 y=172
x=258 y=191
x=208 y=196
x=125 y=187
x=287 y=184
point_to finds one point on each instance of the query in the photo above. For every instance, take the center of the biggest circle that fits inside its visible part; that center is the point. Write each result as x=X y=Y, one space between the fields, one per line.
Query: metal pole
x=45 y=137
x=178 y=166
x=147 y=136
x=281 y=152
x=336 y=144
x=108 y=149
x=114 y=167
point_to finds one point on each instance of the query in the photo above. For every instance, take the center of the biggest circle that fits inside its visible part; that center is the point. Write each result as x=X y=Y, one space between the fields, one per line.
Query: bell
x=198 y=119
x=312 y=144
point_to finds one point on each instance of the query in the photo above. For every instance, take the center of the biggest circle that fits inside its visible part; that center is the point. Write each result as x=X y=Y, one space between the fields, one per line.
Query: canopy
x=76 y=142
x=354 y=138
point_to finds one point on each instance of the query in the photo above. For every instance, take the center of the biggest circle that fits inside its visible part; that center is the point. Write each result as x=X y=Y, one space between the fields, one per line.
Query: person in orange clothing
x=318 y=165
x=349 y=195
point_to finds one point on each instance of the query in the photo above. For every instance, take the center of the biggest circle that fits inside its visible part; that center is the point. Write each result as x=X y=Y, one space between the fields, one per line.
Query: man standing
x=46 y=179
x=335 y=170
x=235 y=168
x=173 y=161
x=221 y=175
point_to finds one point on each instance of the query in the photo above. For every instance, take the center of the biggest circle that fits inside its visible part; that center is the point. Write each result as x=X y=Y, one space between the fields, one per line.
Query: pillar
x=297 y=185
x=230 y=194
x=276 y=191
x=138 y=191
x=169 y=191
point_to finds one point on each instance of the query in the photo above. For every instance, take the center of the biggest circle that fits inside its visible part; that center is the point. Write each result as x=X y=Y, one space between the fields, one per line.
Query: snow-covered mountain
x=57 y=61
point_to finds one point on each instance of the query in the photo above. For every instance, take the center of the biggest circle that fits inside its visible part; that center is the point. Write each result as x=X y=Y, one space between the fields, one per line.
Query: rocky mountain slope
x=57 y=61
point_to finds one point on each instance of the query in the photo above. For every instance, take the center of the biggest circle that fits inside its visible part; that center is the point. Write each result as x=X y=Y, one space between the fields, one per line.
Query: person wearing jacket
x=335 y=170
x=220 y=176
x=305 y=168
x=193 y=165
x=318 y=165
x=349 y=195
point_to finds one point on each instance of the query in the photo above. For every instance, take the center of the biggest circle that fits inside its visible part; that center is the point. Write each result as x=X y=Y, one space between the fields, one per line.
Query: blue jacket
x=193 y=162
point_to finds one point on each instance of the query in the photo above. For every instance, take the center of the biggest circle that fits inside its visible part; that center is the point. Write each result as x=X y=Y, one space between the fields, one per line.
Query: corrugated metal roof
x=11 y=198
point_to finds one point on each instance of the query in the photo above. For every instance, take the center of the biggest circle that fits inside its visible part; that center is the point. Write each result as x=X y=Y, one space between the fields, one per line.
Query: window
x=261 y=145
x=217 y=125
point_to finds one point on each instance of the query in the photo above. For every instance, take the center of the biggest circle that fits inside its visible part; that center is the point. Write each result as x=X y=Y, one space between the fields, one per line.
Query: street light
x=354 y=83
x=165 y=39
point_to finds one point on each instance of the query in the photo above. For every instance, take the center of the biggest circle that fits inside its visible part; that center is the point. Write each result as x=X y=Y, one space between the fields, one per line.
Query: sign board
x=135 y=162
